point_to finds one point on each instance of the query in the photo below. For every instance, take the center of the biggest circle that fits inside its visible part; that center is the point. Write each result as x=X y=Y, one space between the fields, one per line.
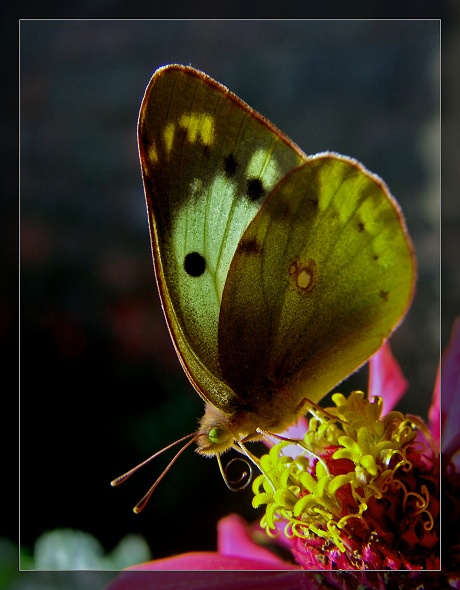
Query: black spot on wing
x=255 y=189
x=283 y=210
x=249 y=247
x=194 y=264
x=230 y=165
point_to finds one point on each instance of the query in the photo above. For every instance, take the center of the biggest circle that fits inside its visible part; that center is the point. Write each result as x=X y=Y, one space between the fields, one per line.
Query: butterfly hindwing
x=209 y=162
x=320 y=278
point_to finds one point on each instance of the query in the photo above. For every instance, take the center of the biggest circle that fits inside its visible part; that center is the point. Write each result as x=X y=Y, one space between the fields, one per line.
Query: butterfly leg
x=314 y=409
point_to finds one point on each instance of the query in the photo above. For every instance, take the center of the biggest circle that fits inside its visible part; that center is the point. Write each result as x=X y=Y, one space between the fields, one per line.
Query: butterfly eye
x=218 y=435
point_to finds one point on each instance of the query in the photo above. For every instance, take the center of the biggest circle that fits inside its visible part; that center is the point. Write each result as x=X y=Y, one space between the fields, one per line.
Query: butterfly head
x=215 y=432
x=218 y=431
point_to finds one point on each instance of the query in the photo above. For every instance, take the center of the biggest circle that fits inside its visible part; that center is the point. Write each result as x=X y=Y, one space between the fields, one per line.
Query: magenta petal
x=234 y=540
x=298 y=429
x=385 y=378
x=295 y=431
x=216 y=580
x=450 y=367
x=280 y=539
x=434 y=413
x=450 y=384
x=209 y=560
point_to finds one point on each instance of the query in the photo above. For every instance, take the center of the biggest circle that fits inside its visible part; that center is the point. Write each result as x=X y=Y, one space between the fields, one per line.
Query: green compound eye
x=218 y=435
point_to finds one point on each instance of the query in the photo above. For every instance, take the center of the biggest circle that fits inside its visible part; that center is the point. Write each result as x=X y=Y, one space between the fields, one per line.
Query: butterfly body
x=279 y=273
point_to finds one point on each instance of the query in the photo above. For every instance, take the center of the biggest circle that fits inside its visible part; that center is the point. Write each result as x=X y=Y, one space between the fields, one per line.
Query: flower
x=405 y=453
x=363 y=496
x=361 y=491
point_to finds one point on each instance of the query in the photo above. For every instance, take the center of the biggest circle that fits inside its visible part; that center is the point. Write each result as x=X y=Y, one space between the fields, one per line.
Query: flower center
x=360 y=480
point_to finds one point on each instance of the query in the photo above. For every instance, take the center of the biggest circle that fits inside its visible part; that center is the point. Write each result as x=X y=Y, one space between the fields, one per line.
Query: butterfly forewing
x=321 y=277
x=209 y=162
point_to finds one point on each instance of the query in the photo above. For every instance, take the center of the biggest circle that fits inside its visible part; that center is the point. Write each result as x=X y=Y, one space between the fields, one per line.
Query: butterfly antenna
x=122 y=478
x=141 y=504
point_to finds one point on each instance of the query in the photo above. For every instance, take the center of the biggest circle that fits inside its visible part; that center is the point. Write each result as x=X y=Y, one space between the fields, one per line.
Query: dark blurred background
x=101 y=387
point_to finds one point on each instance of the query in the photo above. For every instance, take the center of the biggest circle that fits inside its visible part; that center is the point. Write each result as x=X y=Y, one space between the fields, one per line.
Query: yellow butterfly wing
x=321 y=277
x=208 y=162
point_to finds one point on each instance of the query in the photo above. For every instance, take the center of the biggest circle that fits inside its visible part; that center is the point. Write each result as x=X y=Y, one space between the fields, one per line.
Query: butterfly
x=279 y=273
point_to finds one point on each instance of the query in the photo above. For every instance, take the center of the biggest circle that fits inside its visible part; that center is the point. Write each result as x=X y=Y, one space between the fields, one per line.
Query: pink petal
x=298 y=429
x=434 y=413
x=234 y=540
x=210 y=560
x=215 y=580
x=280 y=539
x=295 y=431
x=450 y=366
x=385 y=378
x=450 y=384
